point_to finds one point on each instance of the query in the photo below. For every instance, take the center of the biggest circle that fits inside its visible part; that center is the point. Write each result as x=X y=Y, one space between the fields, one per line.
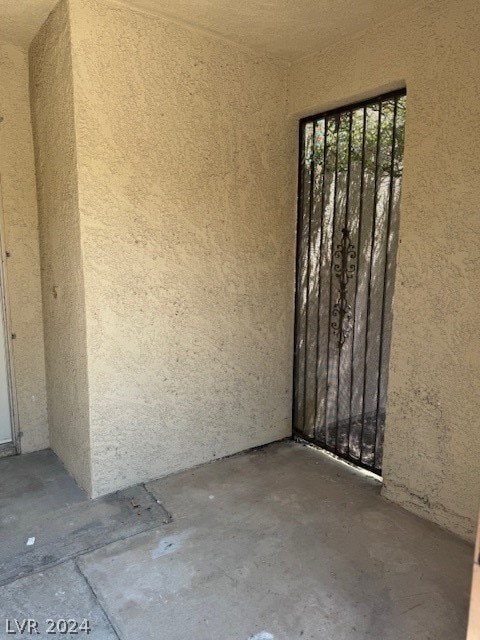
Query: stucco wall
x=19 y=206
x=432 y=442
x=186 y=192
x=62 y=268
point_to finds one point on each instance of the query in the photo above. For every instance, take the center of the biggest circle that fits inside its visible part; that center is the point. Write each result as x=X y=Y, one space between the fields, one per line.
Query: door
x=6 y=434
x=350 y=172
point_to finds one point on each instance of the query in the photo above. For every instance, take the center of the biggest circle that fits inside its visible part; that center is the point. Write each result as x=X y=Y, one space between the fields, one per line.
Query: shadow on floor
x=274 y=544
x=40 y=503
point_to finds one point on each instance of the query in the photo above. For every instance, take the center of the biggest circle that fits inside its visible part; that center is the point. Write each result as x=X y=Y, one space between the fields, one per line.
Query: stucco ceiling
x=287 y=29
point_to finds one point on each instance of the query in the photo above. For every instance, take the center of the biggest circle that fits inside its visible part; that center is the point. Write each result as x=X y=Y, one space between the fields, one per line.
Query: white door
x=5 y=415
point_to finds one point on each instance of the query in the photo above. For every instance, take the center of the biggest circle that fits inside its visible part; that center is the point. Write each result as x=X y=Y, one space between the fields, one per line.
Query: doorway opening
x=350 y=172
x=8 y=444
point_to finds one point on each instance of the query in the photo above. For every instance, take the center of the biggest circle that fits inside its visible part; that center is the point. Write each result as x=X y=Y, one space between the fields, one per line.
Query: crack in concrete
x=97 y=599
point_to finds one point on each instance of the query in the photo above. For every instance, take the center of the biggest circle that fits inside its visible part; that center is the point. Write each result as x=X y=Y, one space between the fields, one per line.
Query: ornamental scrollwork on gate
x=344 y=268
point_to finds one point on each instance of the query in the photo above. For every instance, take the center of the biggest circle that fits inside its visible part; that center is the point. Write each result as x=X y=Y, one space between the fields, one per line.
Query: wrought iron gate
x=350 y=171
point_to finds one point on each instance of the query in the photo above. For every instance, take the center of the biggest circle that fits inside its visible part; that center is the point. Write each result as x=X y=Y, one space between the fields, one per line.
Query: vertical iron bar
x=320 y=254
x=372 y=245
x=385 y=271
x=299 y=293
x=310 y=206
x=359 y=238
x=335 y=190
x=347 y=194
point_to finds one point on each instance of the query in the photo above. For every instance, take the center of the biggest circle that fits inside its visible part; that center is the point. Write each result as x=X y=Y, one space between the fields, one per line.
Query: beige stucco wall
x=20 y=227
x=432 y=442
x=62 y=266
x=186 y=192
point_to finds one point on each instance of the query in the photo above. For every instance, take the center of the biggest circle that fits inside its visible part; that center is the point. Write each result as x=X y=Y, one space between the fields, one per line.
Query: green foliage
x=360 y=138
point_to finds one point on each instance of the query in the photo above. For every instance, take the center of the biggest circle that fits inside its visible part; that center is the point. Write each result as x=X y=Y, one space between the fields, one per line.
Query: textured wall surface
x=186 y=192
x=285 y=29
x=62 y=272
x=21 y=19
x=432 y=442
x=21 y=239
x=281 y=27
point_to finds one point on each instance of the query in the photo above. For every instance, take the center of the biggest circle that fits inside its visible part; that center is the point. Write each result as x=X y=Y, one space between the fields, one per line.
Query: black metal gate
x=350 y=171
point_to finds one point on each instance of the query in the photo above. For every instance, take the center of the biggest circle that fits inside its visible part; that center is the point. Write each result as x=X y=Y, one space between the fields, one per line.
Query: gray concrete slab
x=33 y=484
x=278 y=544
x=59 y=593
x=38 y=499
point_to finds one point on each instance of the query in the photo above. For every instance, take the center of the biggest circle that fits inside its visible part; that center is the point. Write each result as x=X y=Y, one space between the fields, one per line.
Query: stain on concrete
x=169 y=545
x=253 y=566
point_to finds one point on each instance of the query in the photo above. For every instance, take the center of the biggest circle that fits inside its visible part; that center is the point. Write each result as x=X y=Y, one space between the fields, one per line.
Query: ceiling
x=287 y=29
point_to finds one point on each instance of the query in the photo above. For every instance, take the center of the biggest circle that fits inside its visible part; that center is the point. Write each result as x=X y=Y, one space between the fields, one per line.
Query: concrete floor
x=275 y=544
x=38 y=499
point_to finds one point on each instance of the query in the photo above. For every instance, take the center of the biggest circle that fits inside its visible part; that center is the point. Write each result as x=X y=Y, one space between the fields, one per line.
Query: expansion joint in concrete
x=168 y=516
x=98 y=601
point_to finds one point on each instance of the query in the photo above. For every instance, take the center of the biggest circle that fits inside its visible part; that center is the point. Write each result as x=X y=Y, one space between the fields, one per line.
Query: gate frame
x=351 y=106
